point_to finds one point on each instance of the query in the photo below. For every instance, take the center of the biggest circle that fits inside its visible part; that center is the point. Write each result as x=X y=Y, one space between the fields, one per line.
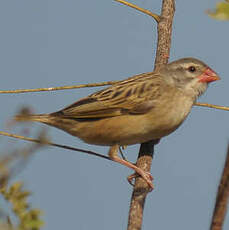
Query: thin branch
x=155 y=16
x=46 y=142
x=212 y=106
x=164 y=33
x=59 y=87
x=94 y=85
x=147 y=149
x=222 y=198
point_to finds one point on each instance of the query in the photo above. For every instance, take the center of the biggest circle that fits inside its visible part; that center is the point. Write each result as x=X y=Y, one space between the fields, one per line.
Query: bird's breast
x=169 y=115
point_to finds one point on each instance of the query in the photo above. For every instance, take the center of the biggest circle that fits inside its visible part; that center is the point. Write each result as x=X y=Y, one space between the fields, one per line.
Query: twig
x=45 y=142
x=155 y=16
x=164 y=33
x=59 y=87
x=147 y=149
x=222 y=198
x=94 y=85
x=212 y=106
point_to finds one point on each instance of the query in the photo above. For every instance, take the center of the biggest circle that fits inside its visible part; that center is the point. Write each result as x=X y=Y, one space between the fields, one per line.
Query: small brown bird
x=136 y=110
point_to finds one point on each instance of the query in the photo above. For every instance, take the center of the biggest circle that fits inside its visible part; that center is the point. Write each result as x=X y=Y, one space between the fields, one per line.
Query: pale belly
x=133 y=129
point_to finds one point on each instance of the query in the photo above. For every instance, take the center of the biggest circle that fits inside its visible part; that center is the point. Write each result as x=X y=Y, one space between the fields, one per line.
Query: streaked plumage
x=141 y=108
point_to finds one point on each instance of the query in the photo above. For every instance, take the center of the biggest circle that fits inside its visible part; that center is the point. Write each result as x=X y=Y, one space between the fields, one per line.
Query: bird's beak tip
x=208 y=76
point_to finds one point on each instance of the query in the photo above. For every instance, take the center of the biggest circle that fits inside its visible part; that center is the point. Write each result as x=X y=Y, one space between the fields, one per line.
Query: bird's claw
x=145 y=175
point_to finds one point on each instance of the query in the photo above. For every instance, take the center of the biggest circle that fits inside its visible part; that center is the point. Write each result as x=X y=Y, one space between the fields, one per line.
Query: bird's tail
x=51 y=119
x=43 y=118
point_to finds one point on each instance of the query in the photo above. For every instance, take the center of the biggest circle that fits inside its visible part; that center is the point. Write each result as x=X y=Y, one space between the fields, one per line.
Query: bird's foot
x=113 y=152
x=145 y=175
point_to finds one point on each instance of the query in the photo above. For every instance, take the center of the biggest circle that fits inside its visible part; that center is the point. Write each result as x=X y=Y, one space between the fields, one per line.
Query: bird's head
x=190 y=75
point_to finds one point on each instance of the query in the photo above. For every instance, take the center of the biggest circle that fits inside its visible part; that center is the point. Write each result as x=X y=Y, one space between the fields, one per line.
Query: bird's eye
x=192 y=69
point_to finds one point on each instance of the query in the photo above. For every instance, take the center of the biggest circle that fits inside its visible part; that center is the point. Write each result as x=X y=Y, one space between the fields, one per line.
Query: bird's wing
x=136 y=95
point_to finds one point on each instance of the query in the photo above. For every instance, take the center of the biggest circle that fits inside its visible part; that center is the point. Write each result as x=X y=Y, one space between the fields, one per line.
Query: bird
x=141 y=108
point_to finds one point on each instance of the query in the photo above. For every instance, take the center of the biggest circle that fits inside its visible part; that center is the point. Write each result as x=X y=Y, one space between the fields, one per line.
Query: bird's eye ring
x=192 y=69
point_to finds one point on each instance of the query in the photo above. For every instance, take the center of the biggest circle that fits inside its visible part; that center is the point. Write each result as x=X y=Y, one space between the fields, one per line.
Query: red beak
x=208 y=76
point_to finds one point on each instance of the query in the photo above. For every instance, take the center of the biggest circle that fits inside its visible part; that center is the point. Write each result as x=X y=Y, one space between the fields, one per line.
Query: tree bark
x=146 y=152
x=222 y=198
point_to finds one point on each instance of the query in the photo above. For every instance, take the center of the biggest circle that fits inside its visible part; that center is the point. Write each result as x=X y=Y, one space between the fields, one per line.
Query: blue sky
x=49 y=43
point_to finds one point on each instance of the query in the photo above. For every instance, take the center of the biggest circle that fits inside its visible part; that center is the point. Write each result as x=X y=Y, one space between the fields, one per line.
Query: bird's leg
x=124 y=147
x=113 y=154
x=134 y=175
x=120 y=150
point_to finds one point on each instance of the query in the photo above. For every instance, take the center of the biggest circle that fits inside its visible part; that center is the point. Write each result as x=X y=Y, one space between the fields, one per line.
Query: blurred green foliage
x=21 y=215
x=221 y=12
x=28 y=218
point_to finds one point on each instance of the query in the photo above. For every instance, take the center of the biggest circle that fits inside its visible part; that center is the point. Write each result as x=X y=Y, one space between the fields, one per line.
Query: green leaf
x=221 y=12
x=28 y=218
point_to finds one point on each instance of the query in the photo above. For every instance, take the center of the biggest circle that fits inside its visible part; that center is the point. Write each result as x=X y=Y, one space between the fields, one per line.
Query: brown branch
x=46 y=142
x=164 y=33
x=59 y=87
x=222 y=198
x=212 y=106
x=147 y=149
x=155 y=16
x=94 y=85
